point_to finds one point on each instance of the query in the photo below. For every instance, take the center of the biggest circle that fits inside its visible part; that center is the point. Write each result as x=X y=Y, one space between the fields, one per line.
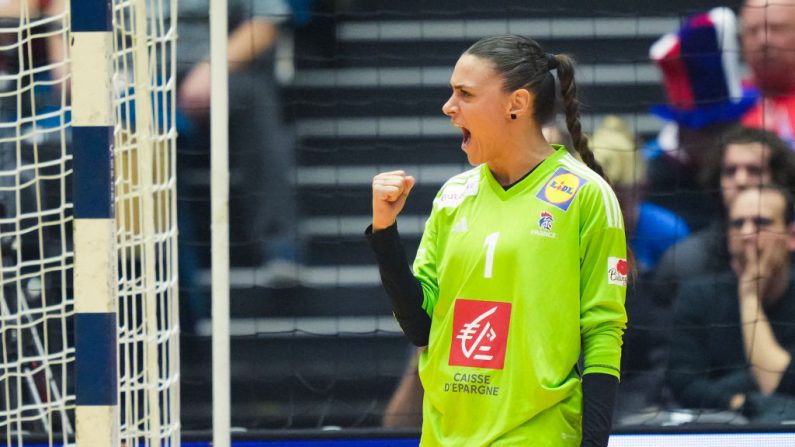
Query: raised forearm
x=249 y=40
x=767 y=358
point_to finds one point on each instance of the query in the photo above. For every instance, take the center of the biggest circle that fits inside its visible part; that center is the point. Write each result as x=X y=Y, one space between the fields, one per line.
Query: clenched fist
x=390 y=190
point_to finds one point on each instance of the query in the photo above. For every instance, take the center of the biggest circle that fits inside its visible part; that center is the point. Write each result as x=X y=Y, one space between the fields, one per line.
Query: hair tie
x=552 y=62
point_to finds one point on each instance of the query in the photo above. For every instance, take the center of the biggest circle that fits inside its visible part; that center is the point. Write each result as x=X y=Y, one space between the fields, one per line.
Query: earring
x=513 y=116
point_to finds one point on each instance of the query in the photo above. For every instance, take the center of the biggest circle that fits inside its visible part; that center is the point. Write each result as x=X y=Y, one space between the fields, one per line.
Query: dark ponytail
x=571 y=107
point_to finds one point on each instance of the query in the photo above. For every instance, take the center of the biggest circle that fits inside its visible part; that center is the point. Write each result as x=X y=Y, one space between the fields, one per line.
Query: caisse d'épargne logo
x=480 y=333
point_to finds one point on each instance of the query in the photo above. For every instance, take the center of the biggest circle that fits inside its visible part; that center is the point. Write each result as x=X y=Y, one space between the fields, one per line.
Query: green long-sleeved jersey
x=516 y=282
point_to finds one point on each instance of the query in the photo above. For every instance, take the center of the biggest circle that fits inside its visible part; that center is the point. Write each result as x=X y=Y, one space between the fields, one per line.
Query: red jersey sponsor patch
x=480 y=333
x=617 y=271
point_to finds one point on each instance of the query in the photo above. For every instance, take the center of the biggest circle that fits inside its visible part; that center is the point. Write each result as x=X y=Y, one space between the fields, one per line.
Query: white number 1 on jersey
x=491 y=244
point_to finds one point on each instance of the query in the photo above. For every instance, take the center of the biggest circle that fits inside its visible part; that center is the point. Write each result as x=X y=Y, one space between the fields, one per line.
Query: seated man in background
x=733 y=337
x=746 y=158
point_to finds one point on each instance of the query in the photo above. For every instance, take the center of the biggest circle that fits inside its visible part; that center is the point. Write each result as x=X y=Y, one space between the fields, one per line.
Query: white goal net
x=37 y=354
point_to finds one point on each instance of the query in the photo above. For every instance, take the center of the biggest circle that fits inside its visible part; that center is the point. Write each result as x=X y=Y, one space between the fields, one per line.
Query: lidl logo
x=561 y=189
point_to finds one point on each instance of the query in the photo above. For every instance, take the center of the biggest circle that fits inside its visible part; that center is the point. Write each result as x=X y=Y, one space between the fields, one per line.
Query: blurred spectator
x=746 y=158
x=733 y=339
x=651 y=229
x=260 y=150
x=699 y=65
x=262 y=205
x=768 y=43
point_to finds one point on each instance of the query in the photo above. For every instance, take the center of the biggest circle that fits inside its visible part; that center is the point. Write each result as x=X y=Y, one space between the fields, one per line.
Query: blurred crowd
x=708 y=204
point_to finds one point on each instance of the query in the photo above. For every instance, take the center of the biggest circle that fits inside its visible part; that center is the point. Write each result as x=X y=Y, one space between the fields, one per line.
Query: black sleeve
x=697 y=317
x=598 y=400
x=403 y=289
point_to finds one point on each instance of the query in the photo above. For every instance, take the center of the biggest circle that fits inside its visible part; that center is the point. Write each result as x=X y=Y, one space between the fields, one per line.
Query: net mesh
x=145 y=150
x=37 y=402
x=36 y=303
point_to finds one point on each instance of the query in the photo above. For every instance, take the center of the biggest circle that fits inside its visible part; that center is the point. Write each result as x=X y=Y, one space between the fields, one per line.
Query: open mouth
x=467 y=137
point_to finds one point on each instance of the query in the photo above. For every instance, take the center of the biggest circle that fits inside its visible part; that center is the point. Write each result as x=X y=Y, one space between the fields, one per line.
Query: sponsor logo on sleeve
x=480 y=333
x=453 y=193
x=561 y=188
x=617 y=270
